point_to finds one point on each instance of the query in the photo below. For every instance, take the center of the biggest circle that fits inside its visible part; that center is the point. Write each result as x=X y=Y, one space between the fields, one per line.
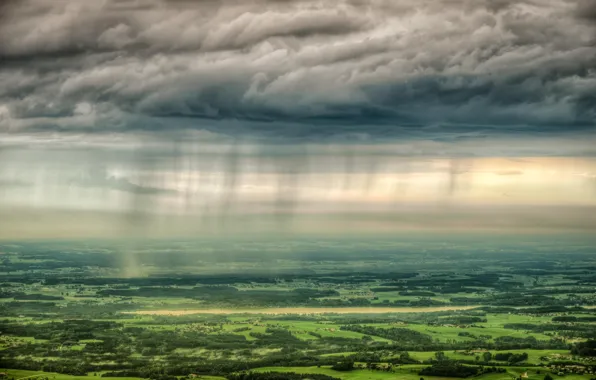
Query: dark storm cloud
x=587 y=10
x=299 y=68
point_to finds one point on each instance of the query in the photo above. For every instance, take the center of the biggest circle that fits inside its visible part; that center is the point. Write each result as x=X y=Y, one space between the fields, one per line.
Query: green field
x=533 y=355
x=67 y=308
x=411 y=373
x=21 y=374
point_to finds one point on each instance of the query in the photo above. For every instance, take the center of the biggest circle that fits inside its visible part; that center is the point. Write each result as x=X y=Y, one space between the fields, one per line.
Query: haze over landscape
x=298 y=189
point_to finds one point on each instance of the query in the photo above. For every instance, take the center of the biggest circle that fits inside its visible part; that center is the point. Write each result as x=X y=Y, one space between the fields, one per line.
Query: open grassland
x=22 y=374
x=411 y=373
x=405 y=374
x=534 y=356
x=494 y=329
x=305 y=310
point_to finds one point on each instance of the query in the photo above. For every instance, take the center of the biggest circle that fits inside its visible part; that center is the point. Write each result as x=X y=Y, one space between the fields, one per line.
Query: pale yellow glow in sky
x=339 y=191
x=488 y=181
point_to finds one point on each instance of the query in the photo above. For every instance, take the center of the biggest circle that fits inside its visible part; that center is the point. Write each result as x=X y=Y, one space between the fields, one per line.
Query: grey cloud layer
x=298 y=68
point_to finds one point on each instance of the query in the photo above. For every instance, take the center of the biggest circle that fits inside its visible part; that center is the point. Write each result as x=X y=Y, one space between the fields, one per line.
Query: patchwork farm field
x=68 y=313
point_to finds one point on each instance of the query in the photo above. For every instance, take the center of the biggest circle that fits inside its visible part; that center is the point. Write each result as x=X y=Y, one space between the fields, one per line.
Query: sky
x=221 y=118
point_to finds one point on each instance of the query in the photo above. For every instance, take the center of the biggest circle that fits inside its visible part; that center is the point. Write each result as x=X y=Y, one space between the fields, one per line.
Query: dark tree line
x=278 y=376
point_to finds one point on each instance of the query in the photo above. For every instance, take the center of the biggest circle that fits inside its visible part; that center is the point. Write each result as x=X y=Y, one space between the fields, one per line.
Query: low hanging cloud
x=298 y=68
x=99 y=179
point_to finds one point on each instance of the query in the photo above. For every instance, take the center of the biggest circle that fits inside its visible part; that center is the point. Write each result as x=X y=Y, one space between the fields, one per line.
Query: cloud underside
x=298 y=68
